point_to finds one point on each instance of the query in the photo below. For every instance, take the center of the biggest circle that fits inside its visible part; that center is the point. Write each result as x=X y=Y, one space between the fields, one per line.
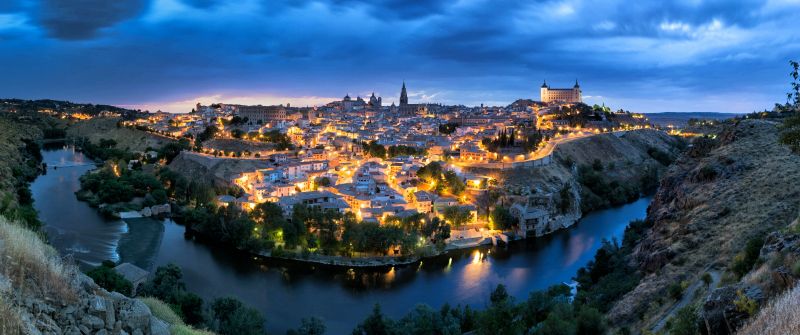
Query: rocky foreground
x=42 y=294
x=741 y=188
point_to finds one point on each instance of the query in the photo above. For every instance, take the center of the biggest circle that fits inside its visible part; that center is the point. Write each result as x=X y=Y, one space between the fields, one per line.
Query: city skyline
x=692 y=56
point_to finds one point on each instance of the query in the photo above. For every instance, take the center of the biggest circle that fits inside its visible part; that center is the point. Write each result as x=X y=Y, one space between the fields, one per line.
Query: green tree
x=684 y=322
x=310 y=326
x=324 y=182
x=375 y=324
x=501 y=316
x=502 y=219
x=166 y=282
x=105 y=276
x=231 y=317
x=790 y=134
x=430 y=172
x=456 y=215
x=589 y=321
x=455 y=185
x=559 y=321
x=424 y=320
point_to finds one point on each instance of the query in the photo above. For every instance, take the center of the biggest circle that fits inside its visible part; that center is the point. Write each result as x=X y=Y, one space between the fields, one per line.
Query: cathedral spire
x=403 y=95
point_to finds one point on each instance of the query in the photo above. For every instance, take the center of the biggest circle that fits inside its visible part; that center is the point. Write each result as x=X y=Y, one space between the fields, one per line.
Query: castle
x=560 y=95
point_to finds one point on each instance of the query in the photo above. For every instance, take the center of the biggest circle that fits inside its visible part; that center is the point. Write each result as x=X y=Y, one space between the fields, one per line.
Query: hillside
x=720 y=197
x=217 y=170
x=623 y=163
x=106 y=128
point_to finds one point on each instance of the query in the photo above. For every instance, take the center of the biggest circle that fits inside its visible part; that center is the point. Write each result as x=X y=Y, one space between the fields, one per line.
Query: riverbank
x=285 y=291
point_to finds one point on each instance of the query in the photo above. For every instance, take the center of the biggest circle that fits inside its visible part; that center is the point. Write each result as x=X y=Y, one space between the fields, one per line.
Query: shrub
x=706 y=173
x=745 y=304
x=744 y=260
x=685 y=321
x=9 y=318
x=707 y=279
x=105 y=276
x=676 y=289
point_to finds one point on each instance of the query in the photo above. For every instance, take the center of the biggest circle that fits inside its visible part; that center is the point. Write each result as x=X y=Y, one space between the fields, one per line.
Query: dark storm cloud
x=80 y=19
x=686 y=54
x=398 y=9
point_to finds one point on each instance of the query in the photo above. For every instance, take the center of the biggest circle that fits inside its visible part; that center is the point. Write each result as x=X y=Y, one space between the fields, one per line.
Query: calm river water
x=286 y=292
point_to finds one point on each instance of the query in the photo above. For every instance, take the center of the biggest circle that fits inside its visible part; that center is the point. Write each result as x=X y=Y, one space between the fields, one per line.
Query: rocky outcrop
x=156 y=210
x=720 y=314
x=94 y=311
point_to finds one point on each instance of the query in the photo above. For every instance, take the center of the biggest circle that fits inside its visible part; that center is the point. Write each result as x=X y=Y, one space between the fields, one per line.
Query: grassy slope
x=700 y=225
x=106 y=128
x=11 y=139
x=29 y=267
x=778 y=318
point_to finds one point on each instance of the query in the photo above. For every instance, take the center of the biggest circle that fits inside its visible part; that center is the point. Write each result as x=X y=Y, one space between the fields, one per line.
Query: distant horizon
x=138 y=107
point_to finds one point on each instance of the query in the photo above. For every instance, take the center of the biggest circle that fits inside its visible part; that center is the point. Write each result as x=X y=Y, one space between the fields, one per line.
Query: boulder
x=93 y=322
x=719 y=312
x=134 y=315
x=103 y=308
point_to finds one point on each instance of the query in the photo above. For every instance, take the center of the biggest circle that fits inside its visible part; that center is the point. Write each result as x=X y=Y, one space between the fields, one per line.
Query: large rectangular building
x=560 y=95
x=262 y=114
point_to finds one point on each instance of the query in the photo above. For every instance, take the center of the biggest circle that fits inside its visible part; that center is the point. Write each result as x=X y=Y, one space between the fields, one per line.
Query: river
x=285 y=292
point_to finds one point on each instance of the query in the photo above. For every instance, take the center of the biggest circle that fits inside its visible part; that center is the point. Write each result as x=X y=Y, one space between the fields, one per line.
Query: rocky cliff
x=716 y=198
x=42 y=294
x=624 y=160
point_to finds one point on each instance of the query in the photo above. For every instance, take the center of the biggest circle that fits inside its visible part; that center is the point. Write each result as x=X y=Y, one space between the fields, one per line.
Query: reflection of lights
x=389 y=277
x=476 y=257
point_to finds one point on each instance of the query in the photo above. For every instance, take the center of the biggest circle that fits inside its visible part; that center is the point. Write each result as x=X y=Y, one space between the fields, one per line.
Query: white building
x=562 y=95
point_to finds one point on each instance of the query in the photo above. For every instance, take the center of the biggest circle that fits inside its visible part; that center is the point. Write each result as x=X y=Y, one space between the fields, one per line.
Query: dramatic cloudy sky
x=691 y=55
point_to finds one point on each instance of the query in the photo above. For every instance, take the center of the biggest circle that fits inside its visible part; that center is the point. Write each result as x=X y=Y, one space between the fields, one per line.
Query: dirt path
x=686 y=298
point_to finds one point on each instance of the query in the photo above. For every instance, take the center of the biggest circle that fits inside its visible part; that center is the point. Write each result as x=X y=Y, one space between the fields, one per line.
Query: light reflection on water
x=285 y=292
x=72 y=226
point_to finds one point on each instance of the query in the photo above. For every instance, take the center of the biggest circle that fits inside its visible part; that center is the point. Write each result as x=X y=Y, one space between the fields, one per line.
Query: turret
x=543 y=92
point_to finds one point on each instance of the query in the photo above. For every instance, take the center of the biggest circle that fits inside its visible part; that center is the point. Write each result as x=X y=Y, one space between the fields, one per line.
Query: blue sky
x=678 y=56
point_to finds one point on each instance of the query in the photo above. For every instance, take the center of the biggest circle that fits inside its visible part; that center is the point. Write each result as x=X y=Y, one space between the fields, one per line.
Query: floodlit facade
x=560 y=95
